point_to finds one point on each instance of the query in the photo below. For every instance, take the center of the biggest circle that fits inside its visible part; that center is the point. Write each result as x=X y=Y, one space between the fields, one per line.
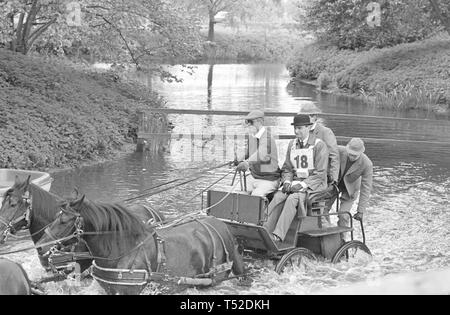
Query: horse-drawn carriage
x=306 y=239
x=170 y=254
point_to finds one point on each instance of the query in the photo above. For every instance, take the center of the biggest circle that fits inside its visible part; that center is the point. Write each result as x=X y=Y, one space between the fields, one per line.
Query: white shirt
x=259 y=134
x=304 y=141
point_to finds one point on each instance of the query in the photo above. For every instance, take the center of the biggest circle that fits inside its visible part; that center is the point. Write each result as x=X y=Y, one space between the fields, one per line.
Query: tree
x=23 y=22
x=441 y=12
x=211 y=8
x=344 y=22
x=259 y=12
x=214 y=7
x=139 y=31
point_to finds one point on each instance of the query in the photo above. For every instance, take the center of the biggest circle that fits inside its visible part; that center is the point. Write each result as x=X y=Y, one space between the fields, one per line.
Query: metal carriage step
x=327 y=231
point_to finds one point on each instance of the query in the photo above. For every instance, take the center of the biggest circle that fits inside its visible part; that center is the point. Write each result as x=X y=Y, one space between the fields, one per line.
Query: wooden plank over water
x=276 y=114
x=146 y=135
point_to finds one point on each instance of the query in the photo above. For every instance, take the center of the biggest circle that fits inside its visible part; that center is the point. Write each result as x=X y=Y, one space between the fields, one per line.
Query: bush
x=344 y=22
x=308 y=62
x=324 y=81
x=252 y=45
x=56 y=116
x=418 y=71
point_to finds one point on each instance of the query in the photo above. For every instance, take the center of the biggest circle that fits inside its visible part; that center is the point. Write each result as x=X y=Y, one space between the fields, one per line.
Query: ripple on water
x=406 y=229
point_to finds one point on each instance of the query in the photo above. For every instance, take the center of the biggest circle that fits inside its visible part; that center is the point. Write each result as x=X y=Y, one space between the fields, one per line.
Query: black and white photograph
x=225 y=154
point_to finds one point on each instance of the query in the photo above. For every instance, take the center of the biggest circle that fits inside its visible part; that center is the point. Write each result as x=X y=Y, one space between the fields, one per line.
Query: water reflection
x=407 y=219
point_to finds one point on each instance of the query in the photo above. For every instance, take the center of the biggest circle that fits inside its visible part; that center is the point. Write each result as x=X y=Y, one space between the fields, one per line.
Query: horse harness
x=66 y=259
x=10 y=226
x=156 y=273
x=141 y=277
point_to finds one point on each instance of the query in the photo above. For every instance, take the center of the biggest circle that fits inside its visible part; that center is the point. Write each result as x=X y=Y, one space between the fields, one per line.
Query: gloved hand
x=234 y=163
x=358 y=216
x=286 y=188
x=243 y=166
x=296 y=188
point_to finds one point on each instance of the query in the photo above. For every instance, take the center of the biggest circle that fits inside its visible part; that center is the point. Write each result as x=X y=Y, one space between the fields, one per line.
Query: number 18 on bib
x=303 y=161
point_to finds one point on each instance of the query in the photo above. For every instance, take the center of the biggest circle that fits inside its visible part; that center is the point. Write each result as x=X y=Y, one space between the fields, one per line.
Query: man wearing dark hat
x=355 y=175
x=305 y=169
x=326 y=135
x=261 y=157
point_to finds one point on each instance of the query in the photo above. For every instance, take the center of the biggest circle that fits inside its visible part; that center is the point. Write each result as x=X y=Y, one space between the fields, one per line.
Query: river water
x=408 y=218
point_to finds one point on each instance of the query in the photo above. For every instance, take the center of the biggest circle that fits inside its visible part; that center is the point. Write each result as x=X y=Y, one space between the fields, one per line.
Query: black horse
x=120 y=241
x=26 y=205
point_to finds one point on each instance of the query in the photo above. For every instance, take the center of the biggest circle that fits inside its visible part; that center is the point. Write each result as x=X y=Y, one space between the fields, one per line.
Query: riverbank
x=407 y=76
x=253 y=44
x=56 y=116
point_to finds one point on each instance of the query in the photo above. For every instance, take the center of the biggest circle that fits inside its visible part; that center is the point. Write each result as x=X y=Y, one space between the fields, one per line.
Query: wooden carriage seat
x=317 y=201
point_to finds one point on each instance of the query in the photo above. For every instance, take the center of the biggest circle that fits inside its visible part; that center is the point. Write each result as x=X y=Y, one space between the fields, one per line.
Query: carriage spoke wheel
x=354 y=251
x=298 y=258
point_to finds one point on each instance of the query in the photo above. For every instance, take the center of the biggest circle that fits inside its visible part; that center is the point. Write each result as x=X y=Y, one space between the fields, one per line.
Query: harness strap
x=141 y=277
x=214 y=259
x=154 y=215
x=227 y=254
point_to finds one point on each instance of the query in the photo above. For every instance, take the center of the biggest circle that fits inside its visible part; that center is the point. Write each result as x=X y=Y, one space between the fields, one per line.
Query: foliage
x=404 y=97
x=137 y=31
x=344 y=22
x=324 y=80
x=440 y=12
x=254 y=44
x=265 y=12
x=417 y=70
x=309 y=61
x=56 y=116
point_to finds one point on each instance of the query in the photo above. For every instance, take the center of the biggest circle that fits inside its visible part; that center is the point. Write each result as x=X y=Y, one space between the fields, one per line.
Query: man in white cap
x=261 y=157
x=356 y=173
x=326 y=135
x=305 y=169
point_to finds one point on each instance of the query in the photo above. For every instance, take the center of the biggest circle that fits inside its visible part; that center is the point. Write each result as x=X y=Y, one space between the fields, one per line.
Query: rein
x=176 y=180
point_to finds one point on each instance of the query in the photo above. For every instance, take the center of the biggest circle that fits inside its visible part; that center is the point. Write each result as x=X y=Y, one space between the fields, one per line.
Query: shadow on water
x=407 y=219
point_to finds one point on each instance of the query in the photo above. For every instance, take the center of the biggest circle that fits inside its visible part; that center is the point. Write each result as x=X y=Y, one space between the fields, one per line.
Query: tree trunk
x=445 y=20
x=31 y=18
x=211 y=26
x=17 y=45
x=12 y=44
x=21 y=40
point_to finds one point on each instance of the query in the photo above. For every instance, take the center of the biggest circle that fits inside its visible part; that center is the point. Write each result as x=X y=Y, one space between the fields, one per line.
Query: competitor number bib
x=303 y=161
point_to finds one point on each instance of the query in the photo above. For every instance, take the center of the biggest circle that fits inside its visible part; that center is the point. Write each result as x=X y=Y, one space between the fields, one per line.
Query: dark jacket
x=359 y=177
x=326 y=135
x=317 y=179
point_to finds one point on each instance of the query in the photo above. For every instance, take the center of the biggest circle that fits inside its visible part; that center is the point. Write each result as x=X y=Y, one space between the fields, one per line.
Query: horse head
x=65 y=230
x=15 y=209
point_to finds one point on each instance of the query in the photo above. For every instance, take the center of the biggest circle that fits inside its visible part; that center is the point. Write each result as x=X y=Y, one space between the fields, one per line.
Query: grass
x=408 y=97
x=415 y=75
x=53 y=115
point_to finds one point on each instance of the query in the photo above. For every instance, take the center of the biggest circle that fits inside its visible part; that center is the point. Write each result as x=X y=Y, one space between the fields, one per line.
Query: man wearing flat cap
x=326 y=135
x=261 y=157
x=305 y=169
x=356 y=172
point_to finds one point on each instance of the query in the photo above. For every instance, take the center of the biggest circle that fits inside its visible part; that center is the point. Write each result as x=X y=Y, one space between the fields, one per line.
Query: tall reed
x=404 y=97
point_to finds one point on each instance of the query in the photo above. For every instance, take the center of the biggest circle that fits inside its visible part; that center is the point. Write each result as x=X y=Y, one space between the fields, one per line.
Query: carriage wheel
x=351 y=252
x=299 y=258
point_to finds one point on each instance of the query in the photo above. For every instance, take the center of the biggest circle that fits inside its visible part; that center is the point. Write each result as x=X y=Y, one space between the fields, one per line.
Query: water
x=407 y=220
